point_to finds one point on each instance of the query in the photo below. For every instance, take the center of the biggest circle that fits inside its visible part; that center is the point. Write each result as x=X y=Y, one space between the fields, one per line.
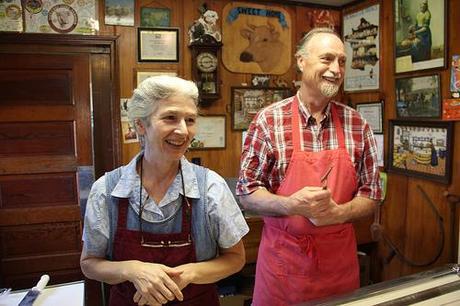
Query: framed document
x=210 y=133
x=373 y=113
x=158 y=44
x=141 y=75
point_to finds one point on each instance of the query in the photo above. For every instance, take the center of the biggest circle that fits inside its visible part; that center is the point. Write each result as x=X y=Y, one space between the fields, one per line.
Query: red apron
x=297 y=260
x=127 y=246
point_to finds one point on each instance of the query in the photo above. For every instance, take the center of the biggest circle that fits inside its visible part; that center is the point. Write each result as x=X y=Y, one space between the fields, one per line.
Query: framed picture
x=421 y=149
x=373 y=113
x=210 y=132
x=158 y=44
x=420 y=34
x=361 y=34
x=144 y=74
x=418 y=97
x=155 y=17
x=451 y=109
x=247 y=101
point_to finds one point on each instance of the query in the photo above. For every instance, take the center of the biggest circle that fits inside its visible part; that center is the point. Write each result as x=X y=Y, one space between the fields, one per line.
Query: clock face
x=206 y=62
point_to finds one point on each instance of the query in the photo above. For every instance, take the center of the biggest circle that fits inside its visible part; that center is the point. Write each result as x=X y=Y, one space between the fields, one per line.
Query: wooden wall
x=407 y=221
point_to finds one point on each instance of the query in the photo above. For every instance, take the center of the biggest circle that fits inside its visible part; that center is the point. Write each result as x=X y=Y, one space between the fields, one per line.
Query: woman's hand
x=154 y=283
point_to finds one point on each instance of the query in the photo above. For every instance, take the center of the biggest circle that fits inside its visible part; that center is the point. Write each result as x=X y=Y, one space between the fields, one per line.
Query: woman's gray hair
x=147 y=95
x=302 y=47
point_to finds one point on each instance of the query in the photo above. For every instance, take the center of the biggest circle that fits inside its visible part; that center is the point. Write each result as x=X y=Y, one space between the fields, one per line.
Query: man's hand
x=316 y=204
x=154 y=283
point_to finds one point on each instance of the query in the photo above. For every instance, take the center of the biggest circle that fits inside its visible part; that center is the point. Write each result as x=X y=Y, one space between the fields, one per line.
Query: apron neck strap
x=296 y=128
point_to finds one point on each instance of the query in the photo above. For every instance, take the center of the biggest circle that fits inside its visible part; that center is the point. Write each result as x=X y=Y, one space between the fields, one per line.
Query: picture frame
x=158 y=44
x=373 y=113
x=211 y=133
x=421 y=149
x=418 y=96
x=420 y=35
x=361 y=36
x=152 y=17
x=142 y=74
x=246 y=102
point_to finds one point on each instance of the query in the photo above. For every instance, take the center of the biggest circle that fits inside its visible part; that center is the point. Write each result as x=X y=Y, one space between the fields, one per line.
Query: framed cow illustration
x=257 y=38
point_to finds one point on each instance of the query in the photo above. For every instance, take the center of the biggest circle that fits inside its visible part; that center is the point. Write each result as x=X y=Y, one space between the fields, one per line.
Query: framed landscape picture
x=248 y=101
x=421 y=149
x=420 y=34
x=418 y=97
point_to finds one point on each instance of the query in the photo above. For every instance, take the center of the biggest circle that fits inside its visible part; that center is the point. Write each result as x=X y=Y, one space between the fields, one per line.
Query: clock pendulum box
x=205 y=70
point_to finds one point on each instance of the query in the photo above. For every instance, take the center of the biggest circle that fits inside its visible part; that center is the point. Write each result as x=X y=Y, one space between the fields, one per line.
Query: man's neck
x=314 y=103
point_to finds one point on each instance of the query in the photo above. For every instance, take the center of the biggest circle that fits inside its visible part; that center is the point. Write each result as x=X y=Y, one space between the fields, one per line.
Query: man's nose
x=335 y=66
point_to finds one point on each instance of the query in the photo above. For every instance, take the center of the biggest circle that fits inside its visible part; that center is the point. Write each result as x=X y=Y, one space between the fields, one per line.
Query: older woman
x=160 y=229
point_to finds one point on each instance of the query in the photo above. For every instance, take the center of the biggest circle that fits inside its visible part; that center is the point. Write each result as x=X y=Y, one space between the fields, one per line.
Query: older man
x=309 y=166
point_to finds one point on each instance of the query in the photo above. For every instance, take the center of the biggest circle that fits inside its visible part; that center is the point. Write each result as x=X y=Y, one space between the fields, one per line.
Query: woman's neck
x=158 y=176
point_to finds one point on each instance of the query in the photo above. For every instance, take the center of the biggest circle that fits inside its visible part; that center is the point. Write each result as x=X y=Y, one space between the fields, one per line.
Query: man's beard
x=329 y=90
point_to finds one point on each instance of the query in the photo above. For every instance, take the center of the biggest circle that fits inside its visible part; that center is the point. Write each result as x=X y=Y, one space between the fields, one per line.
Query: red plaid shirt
x=268 y=147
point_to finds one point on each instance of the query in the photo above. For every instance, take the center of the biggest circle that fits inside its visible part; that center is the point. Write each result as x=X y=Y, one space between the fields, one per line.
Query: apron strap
x=296 y=128
x=122 y=212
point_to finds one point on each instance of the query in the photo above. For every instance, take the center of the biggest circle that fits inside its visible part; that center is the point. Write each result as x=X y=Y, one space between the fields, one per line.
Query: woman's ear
x=139 y=126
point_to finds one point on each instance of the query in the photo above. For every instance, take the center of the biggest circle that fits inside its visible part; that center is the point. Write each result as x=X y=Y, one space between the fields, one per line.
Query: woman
x=161 y=229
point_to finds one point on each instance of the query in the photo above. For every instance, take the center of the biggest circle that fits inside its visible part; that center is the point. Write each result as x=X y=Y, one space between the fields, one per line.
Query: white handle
x=42 y=282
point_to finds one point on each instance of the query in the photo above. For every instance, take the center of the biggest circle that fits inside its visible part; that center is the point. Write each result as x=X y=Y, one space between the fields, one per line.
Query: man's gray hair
x=147 y=95
x=302 y=47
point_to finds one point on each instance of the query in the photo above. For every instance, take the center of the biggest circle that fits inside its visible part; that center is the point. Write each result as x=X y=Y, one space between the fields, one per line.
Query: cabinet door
x=45 y=137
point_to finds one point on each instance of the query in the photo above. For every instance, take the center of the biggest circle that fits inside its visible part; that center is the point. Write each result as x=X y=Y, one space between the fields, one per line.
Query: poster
x=11 y=16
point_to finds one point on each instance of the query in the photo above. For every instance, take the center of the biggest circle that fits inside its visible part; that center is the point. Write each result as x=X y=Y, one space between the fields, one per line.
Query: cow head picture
x=265 y=47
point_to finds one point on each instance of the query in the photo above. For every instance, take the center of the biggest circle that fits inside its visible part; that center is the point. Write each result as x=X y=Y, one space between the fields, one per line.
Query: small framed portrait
x=418 y=97
x=248 y=101
x=420 y=34
x=158 y=44
x=373 y=113
x=421 y=149
x=152 y=17
x=210 y=133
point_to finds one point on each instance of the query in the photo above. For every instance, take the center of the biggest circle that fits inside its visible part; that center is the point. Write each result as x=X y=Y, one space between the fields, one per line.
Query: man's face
x=324 y=67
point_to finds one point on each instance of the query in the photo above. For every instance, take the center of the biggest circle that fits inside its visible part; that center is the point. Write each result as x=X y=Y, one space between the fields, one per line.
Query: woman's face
x=171 y=129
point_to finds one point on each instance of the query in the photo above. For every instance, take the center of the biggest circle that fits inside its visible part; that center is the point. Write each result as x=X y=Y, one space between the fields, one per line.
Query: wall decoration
x=421 y=149
x=418 y=97
x=247 y=101
x=158 y=44
x=257 y=38
x=451 y=109
x=142 y=74
x=455 y=74
x=119 y=12
x=155 y=17
x=210 y=132
x=373 y=113
x=380 y=149
x=70 y=17
x=420 y=34
x=11 y=16
x=361 y=33
x=260 y=80
x=321 y=18
x=127 y=130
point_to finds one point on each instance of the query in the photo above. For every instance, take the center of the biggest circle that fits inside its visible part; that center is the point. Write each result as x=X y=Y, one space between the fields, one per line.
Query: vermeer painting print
x=420 y=34
x=421 y=149
x=248 y=101
x=418 y=97
x=361 y=36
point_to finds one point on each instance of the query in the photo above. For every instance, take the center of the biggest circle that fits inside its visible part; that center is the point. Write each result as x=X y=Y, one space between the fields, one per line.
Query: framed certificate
x=158 y=44
x=373 y=113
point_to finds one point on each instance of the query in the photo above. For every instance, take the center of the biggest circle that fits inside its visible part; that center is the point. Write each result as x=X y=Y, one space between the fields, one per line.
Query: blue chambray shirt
x=227 y=222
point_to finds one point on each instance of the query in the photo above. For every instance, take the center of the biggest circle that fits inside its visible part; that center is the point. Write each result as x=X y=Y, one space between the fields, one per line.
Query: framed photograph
x=361 y=34
x=118 y=12
x=418 y=97
x=158 y=44
x=373 y=113
x=144 y=74
x=155 y=17
x=247 y=101
x=420 y=34
x=210 y=132
x=421 y=149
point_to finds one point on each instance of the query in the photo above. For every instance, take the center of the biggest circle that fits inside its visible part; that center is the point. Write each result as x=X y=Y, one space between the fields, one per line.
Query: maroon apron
x=127 y=246
x=297 y=260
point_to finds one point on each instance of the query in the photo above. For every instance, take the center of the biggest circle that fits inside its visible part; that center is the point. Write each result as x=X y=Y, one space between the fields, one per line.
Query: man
x=309 y=166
